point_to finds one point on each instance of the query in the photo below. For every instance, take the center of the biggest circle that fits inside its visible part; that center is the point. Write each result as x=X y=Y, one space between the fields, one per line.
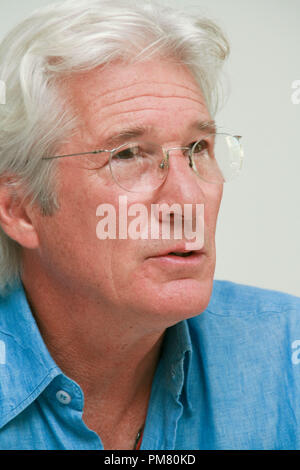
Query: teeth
x=181 y=254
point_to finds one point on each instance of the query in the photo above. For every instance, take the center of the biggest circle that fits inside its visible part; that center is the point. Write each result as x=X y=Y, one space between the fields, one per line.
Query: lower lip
x=193 y=260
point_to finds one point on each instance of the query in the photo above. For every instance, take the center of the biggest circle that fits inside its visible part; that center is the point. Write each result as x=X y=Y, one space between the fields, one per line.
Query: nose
x=182 y=197
x=182 y=184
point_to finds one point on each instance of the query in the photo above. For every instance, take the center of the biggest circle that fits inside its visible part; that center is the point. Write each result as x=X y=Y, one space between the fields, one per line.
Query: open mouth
x=183 y=255
x=180 y=259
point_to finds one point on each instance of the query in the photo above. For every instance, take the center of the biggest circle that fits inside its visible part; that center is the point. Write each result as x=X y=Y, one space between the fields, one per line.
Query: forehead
x=160 y=96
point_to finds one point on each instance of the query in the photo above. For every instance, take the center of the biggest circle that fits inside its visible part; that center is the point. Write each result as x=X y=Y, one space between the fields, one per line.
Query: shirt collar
x=176 y=357
x=27 y=367
x=171 y=389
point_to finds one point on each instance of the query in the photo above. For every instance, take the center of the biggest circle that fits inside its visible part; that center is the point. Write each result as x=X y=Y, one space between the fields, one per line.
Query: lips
x=180 y=261
x=183 y=255
x=178 y=251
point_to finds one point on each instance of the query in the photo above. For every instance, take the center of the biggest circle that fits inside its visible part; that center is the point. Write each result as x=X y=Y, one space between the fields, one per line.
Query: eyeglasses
x=143 y=166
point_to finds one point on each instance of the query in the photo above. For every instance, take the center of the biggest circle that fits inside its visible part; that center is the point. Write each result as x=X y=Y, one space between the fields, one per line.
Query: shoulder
x=245 y=348
x=14 y=328
x=239 y=313
x=229 y=298
x=12 y=305
x=250 y=327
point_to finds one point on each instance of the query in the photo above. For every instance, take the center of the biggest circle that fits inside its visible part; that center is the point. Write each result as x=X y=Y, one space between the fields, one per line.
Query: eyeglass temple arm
x=165 y=160
x=75 y=154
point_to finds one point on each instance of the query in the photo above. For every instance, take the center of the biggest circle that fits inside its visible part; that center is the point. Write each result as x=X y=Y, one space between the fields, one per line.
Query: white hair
x=75 y=36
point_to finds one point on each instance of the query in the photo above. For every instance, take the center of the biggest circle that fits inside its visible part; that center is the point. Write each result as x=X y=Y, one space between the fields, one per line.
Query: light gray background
x=258 y=233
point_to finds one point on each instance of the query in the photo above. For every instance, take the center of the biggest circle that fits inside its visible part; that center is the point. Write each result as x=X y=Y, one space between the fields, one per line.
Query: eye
x=199 y=146
x=134 y=152
x=127 y=153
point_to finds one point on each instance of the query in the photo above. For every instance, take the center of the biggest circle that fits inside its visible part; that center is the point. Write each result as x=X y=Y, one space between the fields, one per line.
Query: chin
x=178 y=300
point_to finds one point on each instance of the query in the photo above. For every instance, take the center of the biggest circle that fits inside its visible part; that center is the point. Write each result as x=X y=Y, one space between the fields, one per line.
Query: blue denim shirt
x=228 y=378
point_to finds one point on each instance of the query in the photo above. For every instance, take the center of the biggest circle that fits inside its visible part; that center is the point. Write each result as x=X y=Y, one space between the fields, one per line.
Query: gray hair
x=39 y=54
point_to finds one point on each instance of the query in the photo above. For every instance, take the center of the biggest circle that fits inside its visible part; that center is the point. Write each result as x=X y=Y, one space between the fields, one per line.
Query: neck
x=109 y=355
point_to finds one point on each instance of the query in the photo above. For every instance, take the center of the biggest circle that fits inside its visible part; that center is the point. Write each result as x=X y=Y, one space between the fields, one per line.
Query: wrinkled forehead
x=151 y=94
x=118 y=82
x=117 y=77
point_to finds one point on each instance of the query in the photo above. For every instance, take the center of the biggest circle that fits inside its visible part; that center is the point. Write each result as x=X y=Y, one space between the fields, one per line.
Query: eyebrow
x=139 y=131
x=207 y=126
x=127 y=134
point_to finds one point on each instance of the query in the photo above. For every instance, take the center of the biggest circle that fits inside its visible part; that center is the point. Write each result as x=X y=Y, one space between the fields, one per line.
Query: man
x=123 y=342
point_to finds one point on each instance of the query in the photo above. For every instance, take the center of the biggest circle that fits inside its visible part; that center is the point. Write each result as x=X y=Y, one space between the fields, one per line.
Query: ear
x=16 y=214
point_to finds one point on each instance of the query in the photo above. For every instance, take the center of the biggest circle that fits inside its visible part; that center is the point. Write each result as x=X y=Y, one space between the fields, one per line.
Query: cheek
x=213 y=197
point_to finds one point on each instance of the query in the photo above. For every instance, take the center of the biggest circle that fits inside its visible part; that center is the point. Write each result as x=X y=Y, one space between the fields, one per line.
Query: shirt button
x=63 y=397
